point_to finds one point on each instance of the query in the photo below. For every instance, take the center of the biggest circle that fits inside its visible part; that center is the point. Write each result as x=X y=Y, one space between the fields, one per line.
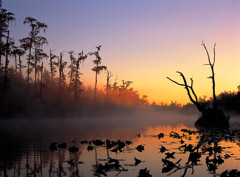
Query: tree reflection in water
x=181 y=152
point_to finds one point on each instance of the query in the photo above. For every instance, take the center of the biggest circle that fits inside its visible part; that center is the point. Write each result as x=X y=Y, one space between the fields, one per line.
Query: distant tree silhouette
x=5 y=19
x=210 y=116
x=61 y=66
x=33 y=40
x=109 y=75
x=77 y=82
x=41 y=82
x=115 y=88
x=72 y=68
x=238 y=87
x=98 y=68
x=74 y=73
x=14 y=54
x=52 y=65
x=7 y=46
x=19 y=52
x=50 y=86
x=123 y=90
x=38 y=56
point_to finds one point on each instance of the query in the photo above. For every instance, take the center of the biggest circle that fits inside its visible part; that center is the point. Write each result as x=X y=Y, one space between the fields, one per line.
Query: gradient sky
x=144 y=40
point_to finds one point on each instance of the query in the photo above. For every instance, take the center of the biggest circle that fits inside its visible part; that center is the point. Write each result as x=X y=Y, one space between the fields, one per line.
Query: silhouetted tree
x=210 y=116
x=77 y=82
x=38 y=55
x=98 y=68
x=19 y=52
x=41 y=82
x=6 y=61
x=61 y=66
x=123 y=89
x=33 y=40
x=52 y=65
x=211 y=64
x=5 y=19
x=14 y=54
x=72 y=68
x=109 y=75
x=115 y=90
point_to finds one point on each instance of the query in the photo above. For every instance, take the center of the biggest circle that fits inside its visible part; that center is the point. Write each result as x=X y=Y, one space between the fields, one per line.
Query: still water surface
x=167 y=144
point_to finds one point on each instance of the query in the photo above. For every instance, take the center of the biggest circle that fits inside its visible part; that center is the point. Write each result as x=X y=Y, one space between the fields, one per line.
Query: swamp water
x=144 y=144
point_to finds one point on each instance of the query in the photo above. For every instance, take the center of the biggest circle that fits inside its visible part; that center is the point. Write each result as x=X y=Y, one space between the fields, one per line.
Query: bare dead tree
x=211 y=64
x=210 y=116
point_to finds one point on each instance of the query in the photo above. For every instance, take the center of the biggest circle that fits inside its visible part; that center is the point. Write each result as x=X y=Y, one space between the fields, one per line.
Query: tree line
x=37 y=81
x=28 y=83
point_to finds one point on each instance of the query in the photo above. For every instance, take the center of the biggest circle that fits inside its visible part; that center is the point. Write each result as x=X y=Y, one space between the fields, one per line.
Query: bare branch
x=191 y=81
x=193 y=92
x=214 y=54
x=175 y=82
x=188 y=88
x=203 y=44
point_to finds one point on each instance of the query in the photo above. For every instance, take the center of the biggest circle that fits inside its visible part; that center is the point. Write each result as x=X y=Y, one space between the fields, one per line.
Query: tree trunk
x=60 y=76
x=41 y=83
x=1 y=48
x=16 y=63
x=109 y=75
x=95 y=89
x=51 y=65
x=20 y=64
x=28 y=70
x=76 y=82
x=35 y=69
x=6 y=63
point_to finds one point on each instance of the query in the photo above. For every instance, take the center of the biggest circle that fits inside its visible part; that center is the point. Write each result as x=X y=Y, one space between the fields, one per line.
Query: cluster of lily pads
x=208 y=145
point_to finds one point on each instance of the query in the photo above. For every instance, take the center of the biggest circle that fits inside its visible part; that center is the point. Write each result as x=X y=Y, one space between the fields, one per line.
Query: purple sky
x=143 y=40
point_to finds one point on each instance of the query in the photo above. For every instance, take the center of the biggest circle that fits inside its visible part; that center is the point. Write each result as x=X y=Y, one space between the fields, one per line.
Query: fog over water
x=94 y=127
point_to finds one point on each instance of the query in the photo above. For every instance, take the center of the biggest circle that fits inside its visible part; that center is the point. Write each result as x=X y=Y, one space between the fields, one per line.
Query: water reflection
x=149 y=150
